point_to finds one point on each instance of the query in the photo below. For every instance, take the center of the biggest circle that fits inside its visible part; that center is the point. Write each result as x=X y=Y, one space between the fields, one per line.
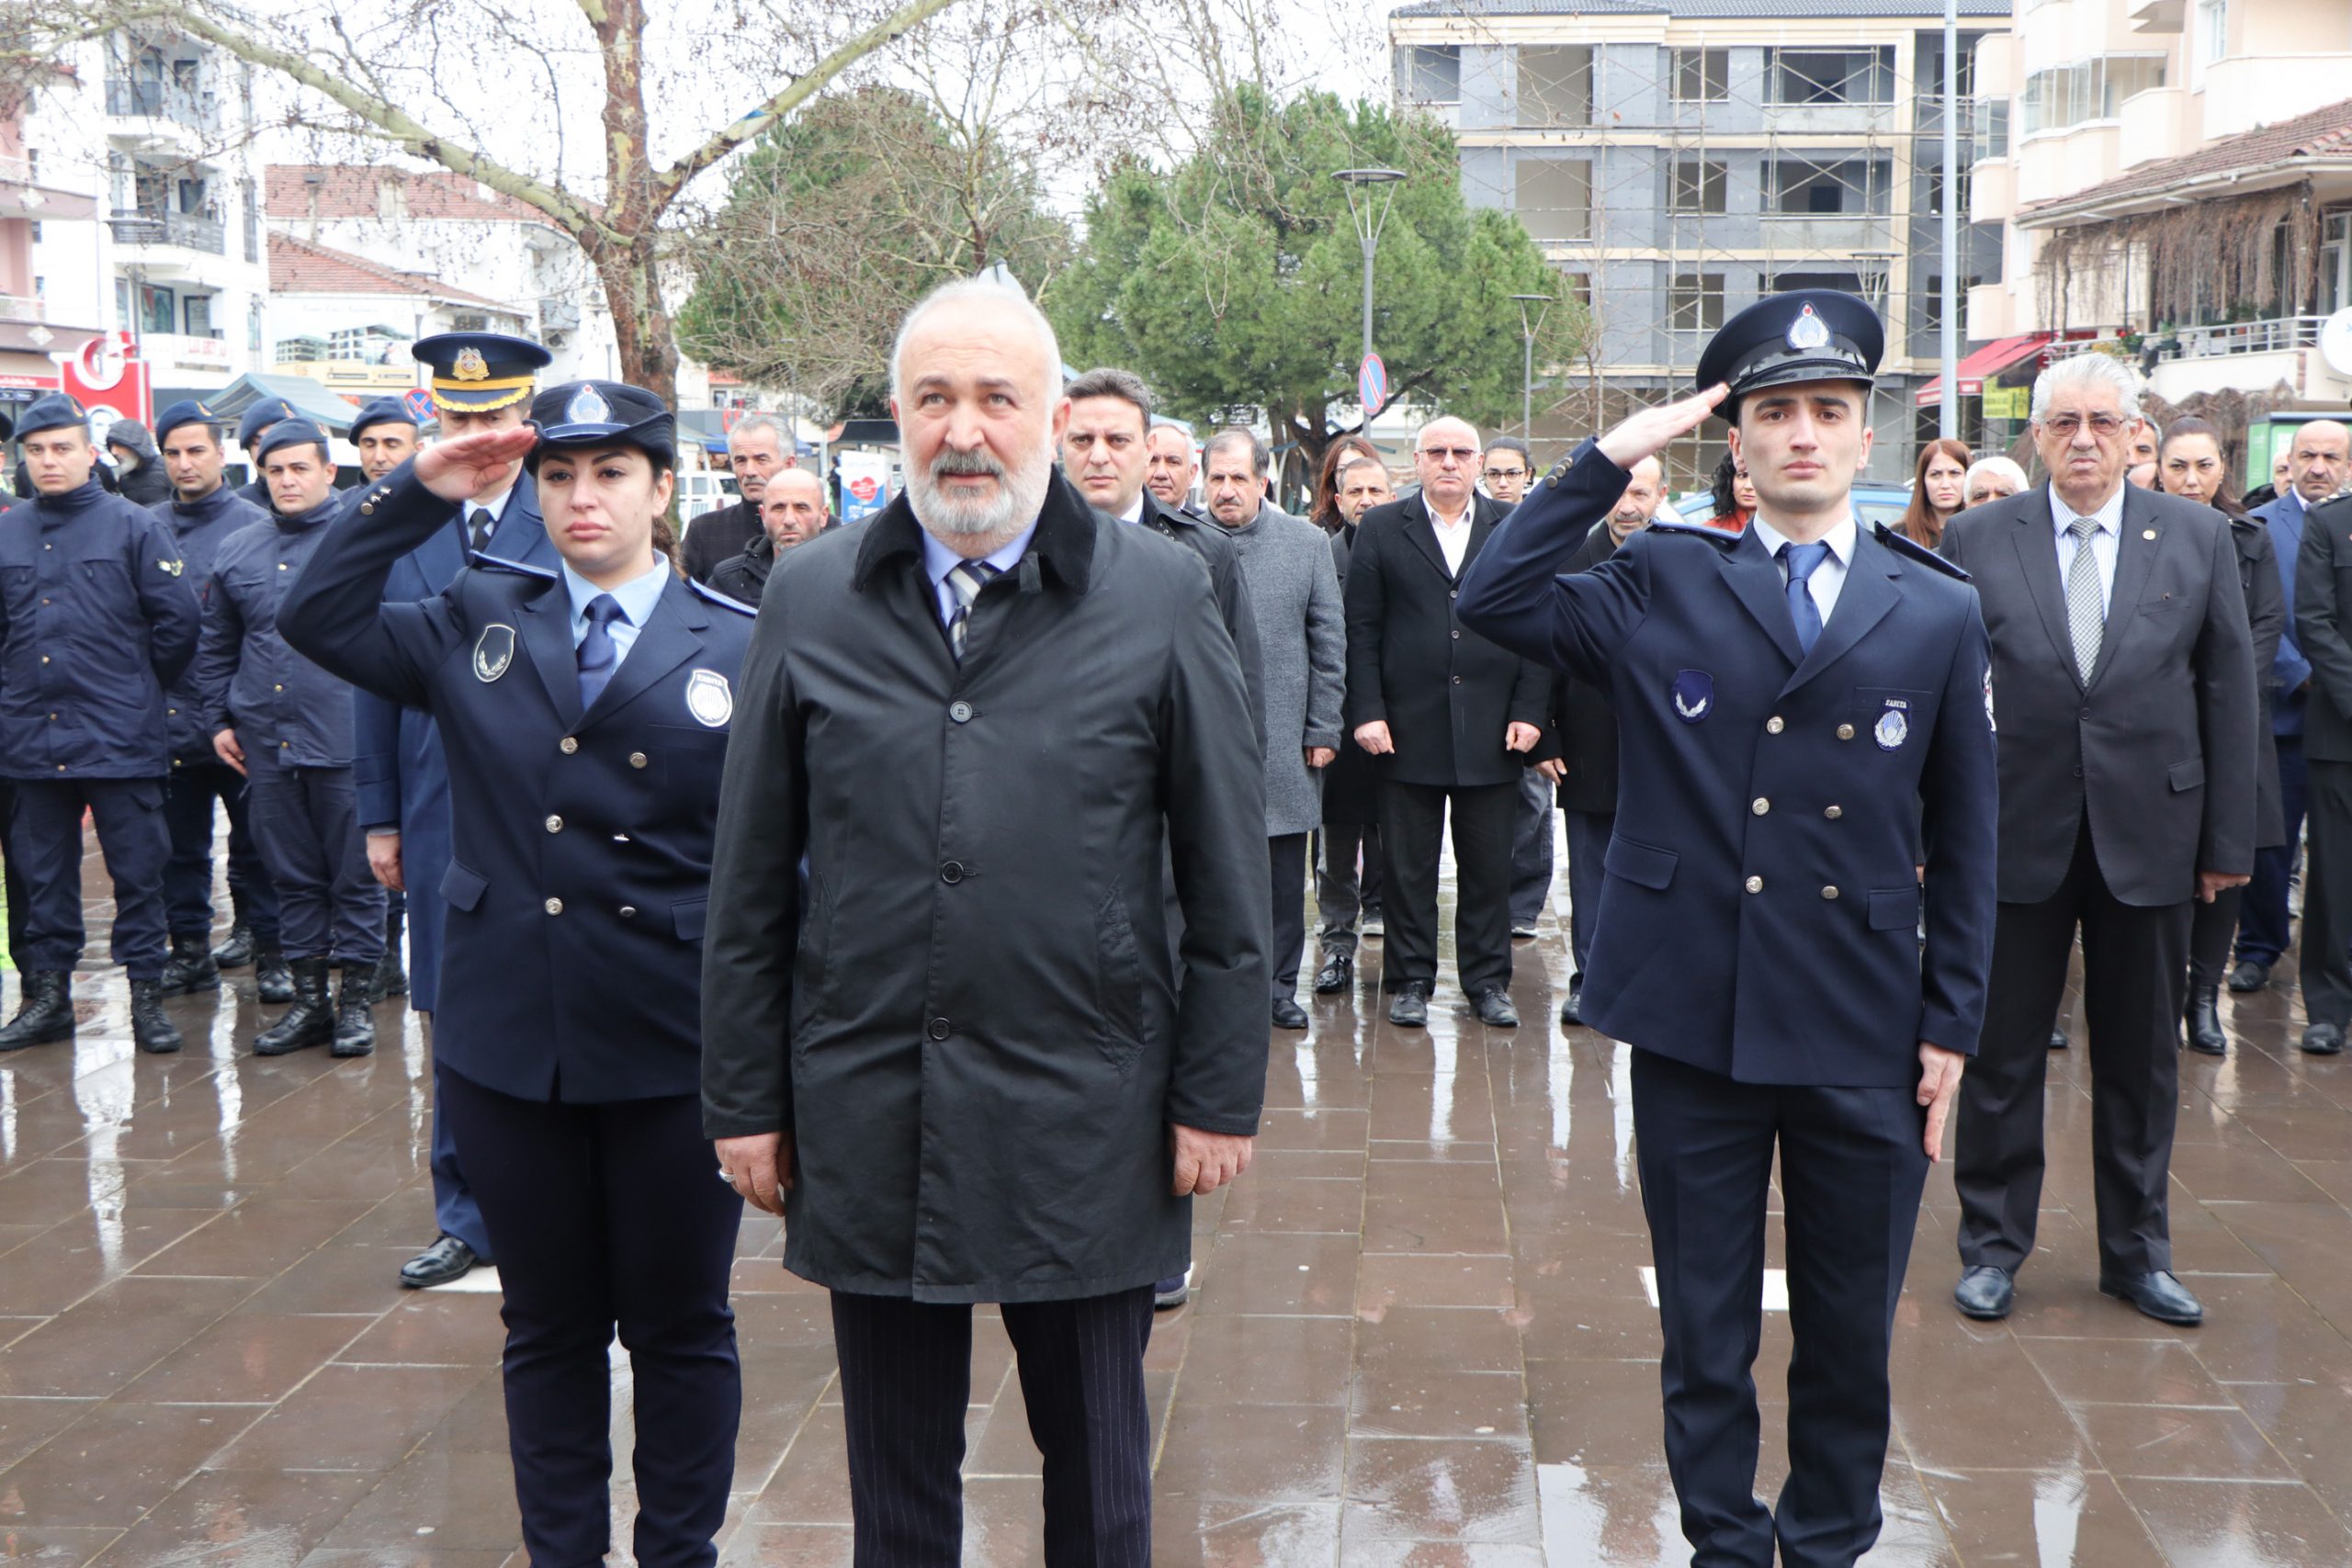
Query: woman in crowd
x=1735 y=497
x=1345 y=450
x=1939 y=492
x=2190 y=465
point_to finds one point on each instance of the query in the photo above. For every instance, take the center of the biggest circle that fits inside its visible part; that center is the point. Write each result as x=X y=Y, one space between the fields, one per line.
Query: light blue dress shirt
x=2104 y=544
x=638 y=597
x=1827 y=578
x=938 y=561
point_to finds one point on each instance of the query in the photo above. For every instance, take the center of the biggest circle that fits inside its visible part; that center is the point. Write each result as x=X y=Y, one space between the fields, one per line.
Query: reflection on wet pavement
x=1422 y=1331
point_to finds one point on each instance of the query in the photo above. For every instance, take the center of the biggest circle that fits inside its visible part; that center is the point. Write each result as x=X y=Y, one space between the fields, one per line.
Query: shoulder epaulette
x=1714 y=537
x=1906 y=546
x=723 y=601
x=481 y=562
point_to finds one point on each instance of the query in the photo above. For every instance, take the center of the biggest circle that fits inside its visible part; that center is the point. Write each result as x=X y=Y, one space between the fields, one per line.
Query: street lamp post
x=1527 y=331
x=1369 y=216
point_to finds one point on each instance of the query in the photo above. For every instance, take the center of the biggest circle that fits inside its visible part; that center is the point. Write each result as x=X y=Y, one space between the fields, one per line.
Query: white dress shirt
x=1827 y=578
x=1453 y=537
x=2104 y=544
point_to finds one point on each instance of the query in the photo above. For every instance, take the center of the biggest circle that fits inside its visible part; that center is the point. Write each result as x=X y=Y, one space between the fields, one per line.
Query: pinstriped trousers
x=907 y=1382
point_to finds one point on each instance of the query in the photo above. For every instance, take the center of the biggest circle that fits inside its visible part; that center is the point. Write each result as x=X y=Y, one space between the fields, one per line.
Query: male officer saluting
x=1798 y=705
x=479 y=381
x=96 y=621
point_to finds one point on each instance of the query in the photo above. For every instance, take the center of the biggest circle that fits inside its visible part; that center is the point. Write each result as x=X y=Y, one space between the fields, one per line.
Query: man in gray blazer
x=2124 y=683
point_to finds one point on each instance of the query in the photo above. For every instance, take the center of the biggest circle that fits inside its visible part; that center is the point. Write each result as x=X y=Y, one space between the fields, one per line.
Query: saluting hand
x=1940 y=1073
x=464 y=469
x=1647 y=433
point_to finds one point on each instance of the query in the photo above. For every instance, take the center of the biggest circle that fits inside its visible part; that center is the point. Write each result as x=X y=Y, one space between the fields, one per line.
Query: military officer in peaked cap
x=96 y=621
x=585 y=710
x=478 y=381
x=1800 y=706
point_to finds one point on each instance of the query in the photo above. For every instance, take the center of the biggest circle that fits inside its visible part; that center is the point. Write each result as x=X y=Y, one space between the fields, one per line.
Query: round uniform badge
x=1892 y=730
x=493 y=651
x=709 y=699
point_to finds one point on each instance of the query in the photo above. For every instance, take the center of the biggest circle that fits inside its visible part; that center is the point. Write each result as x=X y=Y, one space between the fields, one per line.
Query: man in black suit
x=1451 y=718
x=2123 y=679
x=758 y=449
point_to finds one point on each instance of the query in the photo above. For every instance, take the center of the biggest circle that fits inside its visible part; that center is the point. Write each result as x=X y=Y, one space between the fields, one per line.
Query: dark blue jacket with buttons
x=1760 y=905
x=200 y=527
x=96 y=620
x=246 y=678
x=582 y=845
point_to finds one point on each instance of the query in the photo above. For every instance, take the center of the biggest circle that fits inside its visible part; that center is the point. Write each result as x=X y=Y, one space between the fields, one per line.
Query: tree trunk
x=623 y=252
x=643 y=333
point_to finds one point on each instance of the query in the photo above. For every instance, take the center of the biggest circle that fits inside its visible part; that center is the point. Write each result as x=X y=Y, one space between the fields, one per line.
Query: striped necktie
x=966 y=579
x=2085 y=611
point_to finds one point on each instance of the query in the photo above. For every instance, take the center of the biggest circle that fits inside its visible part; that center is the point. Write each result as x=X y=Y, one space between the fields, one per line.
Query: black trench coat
x=968 y=1012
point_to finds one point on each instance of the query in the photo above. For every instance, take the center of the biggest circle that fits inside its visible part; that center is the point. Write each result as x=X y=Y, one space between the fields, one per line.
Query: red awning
x=1990 y=360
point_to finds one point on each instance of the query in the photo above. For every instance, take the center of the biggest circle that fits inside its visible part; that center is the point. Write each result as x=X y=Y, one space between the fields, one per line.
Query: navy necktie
x=1803 y=561
x=598 y=654
x=482 y=525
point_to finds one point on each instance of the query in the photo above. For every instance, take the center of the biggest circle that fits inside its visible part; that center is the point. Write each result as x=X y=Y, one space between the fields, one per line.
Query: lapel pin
x=2150 y=533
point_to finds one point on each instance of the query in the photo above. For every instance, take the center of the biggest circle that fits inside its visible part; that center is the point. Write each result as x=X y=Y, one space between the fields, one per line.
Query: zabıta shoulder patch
x=493 y=651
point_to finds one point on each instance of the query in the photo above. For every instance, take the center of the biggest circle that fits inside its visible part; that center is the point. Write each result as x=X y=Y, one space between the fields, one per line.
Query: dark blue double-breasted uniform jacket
x=97 y=621
x=582 y=840
x=246 y=678
x=200 y=527
x=1758 y=913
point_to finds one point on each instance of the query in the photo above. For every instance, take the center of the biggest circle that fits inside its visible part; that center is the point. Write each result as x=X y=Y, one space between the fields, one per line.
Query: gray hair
x=756 y=421
x=2088 y=370
x=985 y=290
x=1999 y=467
x=1109 y=381
x=1261 y=455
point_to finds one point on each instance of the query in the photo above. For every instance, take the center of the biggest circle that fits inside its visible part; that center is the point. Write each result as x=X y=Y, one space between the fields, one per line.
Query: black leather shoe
x=2057 y=1040
x=237 y=951
x=1985 y=1292
x=2323 y=1040
x=1410 y=1005
x=309 y=1021
x=1494 y=1007
x=190 y=968
x=1288 y=1014
x=2205 y=1036
x=2251 y=975
x=354 y=1031
x=445 y=1260
x=151 y=1029
x=1523 y=933
x=1572 y=1009
x=1337 y=973
x=44 y=1013
x=2157 y=1295
x=272 y=980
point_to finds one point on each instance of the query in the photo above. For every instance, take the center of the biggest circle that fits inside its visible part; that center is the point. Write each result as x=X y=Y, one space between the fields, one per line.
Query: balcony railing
x=134 y=227
x=157 y=100
x=2272 y=336
x=23 y=307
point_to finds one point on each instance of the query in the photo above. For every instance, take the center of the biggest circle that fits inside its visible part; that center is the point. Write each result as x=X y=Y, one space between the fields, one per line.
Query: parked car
x=1872 y=503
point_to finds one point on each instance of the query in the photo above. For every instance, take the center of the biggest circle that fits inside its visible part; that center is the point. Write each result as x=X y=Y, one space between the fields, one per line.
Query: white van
x=703 y=491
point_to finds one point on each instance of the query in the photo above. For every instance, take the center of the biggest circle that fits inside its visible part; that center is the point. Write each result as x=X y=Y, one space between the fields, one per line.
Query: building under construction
x=1677 y=159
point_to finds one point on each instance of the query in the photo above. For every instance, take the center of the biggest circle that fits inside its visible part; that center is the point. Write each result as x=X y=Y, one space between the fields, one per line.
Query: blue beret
x=381 y=411
x=260 y=417
x=187 y=411
x=1811 y=334
x=55 y=412
x=480 y=370
x=603 y=413
x=294 y=432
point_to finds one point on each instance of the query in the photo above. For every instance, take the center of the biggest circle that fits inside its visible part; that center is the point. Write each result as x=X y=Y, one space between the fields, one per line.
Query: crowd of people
x=944 y=874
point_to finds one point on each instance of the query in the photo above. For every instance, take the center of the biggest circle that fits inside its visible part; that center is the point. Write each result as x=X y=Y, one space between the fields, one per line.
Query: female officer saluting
x=585 y=713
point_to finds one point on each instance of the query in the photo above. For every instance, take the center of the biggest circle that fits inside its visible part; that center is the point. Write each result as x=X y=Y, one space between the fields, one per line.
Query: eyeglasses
x=2104 y=426
x=1506 y=473
x=1459 y=453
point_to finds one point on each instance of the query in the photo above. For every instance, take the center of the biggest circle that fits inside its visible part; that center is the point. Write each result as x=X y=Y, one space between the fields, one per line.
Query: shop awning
x=1990 y=360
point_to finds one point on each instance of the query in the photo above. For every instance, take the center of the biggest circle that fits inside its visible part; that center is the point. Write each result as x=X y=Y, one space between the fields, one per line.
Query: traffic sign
x=419 y=403
x=1371 y=385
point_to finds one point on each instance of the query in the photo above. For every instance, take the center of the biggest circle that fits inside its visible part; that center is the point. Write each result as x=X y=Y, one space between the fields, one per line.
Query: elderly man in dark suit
x=2123 y=679
x=1452 y=718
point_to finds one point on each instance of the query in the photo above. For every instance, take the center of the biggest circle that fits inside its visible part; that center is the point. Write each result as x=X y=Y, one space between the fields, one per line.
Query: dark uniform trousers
x=2326 y=969
x=45 y=829
x=1286 y=858
x=1347 y=880
x=330 y=905
x=907 y=1379
x=14 y=884
x=1587 y=842
x=1852 y=1169
x=1412 y=820
x=188 y=795
x=603 y=1214
x=2265 y=929
x=2134 y=974
x=1530 y=853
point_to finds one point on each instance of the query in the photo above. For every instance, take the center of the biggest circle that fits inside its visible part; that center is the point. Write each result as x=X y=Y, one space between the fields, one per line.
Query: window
x=1556 y=86
x=251 y=197
x=1801 y=187
x=2212 y=31
x=2088 y=90
x=1434 y=73
x=1555 y=198
x=2335 y=264
x=1698 y=186
x=1931 y=194
x=1580 y=287
x=1695 y=303
x=466 y=321
x=1702 y=76
x=1844 y=77
x=157 y=311
x=1929 y=311
x=1990 y=131
x=196 y=310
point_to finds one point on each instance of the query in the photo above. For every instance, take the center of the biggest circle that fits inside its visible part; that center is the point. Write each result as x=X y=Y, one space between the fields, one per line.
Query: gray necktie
x=2086 y=613
x=966 y=579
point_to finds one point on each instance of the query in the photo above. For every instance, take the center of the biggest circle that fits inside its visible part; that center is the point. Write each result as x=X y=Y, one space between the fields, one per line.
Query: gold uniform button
x=366 y=509
x=1834 y=812
x=555 y=824
x=44 y=659
x=637 y=758
x=1756 y=884
x=1829 y=892
x=1845 y=732
x=277 y=688
x=1774 y=725
x=555 y=906
x=568 y=745
x=1761 y=805
x=283 y=567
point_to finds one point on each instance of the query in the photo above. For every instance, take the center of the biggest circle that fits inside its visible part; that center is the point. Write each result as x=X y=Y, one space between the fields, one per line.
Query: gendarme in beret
x=187 y=411
x=260 y=417
x=603 y=414
x=381 y=411
x=1811 y=334
x=480 y=370
x=55 y=412
x=289 y=433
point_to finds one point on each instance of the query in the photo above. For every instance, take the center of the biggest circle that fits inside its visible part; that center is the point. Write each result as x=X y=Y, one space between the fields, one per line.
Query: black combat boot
x=354 y=1031
x=273 y=982
x=309 y=1021
x=2205 y=1035
x=46 y=1012
x=391 y=979
x=151 y=1029
x=238 y=951
x=191 y=968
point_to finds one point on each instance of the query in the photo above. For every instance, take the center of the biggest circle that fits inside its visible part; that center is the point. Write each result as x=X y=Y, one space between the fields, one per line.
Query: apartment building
x=50 y=297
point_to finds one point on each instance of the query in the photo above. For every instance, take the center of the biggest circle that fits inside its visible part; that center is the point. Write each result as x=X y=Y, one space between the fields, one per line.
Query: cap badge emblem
x=587 y=408
x=1808 y=331
x=470 y=366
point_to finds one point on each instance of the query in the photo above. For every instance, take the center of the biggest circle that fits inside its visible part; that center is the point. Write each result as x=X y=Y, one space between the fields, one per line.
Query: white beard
x=1020 y=494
